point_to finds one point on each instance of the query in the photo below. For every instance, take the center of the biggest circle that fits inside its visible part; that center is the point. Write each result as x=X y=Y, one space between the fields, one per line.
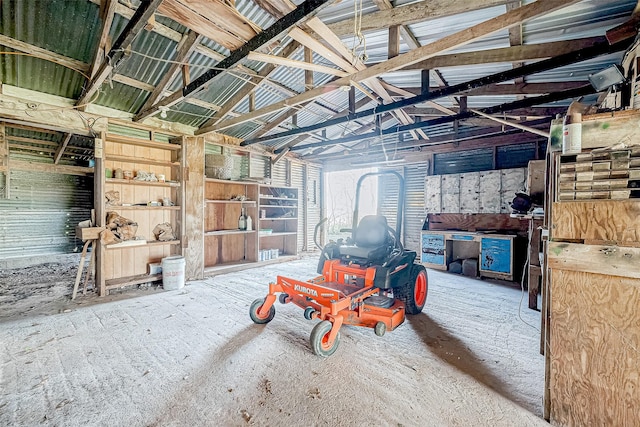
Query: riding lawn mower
x=370 y=280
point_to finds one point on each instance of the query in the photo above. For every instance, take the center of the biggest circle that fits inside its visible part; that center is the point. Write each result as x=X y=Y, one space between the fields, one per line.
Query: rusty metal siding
x=42 y=213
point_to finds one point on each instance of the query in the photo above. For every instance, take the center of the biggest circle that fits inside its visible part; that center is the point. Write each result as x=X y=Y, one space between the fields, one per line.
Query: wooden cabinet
x=225 y=243
x=593 y=328
x=147 y=203
x=278 y=222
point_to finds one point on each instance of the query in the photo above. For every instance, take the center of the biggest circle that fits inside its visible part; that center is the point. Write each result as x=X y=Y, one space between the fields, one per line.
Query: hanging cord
x=359 y=40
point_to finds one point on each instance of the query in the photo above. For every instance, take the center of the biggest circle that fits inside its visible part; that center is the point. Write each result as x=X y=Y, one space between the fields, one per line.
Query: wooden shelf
x=281 y=233
x=265 y=197
x=142 y=142
x=149 y=243
x=279 y=219
x=228 y=181
x=227 y=232
x=279 y=206
x=134 y=182
x=175 y=208
x=126 y=159
x=132 y=280
x=243 y=202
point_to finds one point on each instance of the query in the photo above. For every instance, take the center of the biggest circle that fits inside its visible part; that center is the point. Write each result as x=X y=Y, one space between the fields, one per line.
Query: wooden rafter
x=183 y=52
x=107 y=12
x=146 y=9
x=303 y=11
x=278 y=60
x=60 y=150
x=506 y=54
x=250 y=86
x=461 y=38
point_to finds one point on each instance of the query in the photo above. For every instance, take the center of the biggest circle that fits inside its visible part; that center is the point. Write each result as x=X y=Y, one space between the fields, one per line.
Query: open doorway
x=341 y=197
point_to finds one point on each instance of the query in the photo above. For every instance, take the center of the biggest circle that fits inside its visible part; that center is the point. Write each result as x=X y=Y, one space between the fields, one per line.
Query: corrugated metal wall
x=388 y=197
x=280 y=173
x=298 y=181
x=414 y=208
x=313 y=203
x=42 y=213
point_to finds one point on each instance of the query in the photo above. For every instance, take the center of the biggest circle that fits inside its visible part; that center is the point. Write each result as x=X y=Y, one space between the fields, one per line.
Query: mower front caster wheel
x=255 y=308
x=320 y=339
x=283 y=298
x=308 y=313
x=380 y=329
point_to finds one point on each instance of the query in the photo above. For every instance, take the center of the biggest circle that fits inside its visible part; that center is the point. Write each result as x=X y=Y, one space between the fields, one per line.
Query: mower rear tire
x=414 y=293
x=319 y=337
x=255 y=307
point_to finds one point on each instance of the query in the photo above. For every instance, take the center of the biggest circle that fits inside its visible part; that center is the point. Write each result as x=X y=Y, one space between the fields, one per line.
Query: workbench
x=495 y=252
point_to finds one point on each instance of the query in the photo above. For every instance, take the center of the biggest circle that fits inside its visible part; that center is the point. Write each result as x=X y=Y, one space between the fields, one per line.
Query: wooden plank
x=461 y=38
x=39 y=52
x=48 y=167
x=594 y=359
x=183 y=14
x=598 y=259
x=605 y=220
x=601 y=130
x=476 y=222
x=411 y=14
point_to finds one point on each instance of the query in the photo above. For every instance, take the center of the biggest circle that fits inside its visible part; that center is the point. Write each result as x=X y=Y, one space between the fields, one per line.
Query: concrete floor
x=193 y=357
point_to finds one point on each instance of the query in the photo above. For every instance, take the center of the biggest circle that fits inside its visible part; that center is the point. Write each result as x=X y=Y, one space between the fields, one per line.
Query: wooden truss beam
x=183 y=52
x=461 y=38
x=303 y=11
x=249 y=86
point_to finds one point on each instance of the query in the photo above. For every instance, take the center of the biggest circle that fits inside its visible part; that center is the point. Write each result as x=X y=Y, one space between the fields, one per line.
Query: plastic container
x=572 y=134
x=173 y=272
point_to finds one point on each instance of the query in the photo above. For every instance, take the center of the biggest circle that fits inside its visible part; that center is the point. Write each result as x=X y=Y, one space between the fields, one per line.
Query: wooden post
x=193 y=212
x=98 y=205
x=4 y=161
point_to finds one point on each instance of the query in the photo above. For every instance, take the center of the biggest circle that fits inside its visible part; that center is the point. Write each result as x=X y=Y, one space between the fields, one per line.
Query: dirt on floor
x=148 y=357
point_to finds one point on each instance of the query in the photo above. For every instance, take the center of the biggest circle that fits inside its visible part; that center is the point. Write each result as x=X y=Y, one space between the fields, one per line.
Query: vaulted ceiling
x=326 y=81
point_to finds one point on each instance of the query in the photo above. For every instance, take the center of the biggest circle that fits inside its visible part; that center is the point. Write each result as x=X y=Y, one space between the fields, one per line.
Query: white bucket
x=173 y=272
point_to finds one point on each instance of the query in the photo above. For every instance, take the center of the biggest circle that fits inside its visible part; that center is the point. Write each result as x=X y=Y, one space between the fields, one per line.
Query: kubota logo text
x=305 y=290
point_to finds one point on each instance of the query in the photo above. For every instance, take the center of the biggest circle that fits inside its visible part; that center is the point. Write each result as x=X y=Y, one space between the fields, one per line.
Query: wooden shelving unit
x=224 y=243
x=278 y=222
x=127 y=264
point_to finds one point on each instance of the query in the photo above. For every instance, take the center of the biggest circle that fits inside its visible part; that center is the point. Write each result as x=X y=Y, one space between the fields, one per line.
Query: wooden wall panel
x=595 y=342
x=599 y=220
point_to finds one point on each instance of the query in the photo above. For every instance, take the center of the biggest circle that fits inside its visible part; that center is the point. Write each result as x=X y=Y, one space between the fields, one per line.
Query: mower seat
x=371 y=239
